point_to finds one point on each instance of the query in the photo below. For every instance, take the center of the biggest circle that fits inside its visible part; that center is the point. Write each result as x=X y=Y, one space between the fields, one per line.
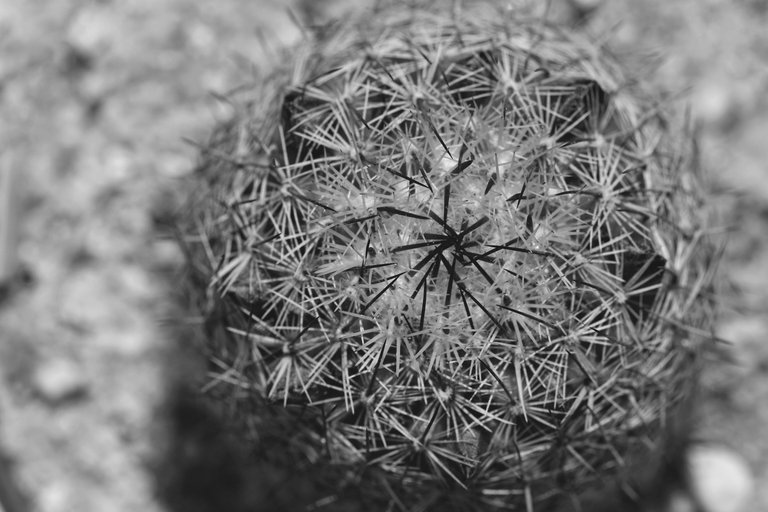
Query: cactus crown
x=462 y=249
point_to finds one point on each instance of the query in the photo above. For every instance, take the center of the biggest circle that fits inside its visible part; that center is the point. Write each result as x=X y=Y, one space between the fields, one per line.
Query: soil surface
x=97 y=99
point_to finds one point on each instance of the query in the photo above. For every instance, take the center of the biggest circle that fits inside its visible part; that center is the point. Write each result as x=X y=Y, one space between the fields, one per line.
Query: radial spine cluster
x=462 y=249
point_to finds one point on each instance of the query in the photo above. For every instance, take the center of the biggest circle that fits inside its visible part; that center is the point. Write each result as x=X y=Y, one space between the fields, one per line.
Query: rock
x=59 y=380
x=721 y=481
x=94 y=30
x=715 y=105
x=680 y=502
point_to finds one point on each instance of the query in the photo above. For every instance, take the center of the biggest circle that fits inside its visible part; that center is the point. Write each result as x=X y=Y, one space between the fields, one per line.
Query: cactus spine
x=459 y=251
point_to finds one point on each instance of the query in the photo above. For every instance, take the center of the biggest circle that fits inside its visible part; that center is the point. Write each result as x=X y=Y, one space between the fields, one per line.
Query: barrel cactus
x=453 y=256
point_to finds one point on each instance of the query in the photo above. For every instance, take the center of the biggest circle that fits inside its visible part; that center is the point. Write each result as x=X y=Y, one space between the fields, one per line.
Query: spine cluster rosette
x=459 y=251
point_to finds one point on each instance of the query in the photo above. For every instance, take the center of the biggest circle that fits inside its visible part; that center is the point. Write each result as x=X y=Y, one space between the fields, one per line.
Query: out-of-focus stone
x=721 y=481
x=680 y=502
x=715 y=105
x=167 y=254
x=94 y=29
x=59 y=380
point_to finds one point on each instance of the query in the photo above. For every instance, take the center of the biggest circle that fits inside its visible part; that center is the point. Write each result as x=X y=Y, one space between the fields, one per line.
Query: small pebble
x=721 y=481
x=715 y=104
x=680 y=502
x=167 y=253
x=94 y=29
x=59 y=380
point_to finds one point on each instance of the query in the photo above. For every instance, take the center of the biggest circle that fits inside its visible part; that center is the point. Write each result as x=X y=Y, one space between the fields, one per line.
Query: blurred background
x=97 y=99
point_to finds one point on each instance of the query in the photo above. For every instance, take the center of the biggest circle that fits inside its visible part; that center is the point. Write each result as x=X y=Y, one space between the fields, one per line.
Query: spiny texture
x=458 y=249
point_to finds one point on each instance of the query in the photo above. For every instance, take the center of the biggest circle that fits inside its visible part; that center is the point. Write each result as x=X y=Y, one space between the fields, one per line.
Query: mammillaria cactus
x=454 y=253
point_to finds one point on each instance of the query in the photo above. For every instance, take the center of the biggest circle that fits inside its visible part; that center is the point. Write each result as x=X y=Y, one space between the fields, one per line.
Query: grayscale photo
x=384 y=256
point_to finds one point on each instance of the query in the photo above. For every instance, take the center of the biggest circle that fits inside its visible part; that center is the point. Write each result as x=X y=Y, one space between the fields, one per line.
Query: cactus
x=453 y=256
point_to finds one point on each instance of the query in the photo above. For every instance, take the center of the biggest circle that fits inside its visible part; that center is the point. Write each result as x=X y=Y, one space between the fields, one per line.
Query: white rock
x=58 y=380
x=714 y=104
x=720 y=479
x=94 y=29
x=680 y=502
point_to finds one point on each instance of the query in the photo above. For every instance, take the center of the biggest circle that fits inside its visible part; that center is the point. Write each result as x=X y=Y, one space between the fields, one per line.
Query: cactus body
x=460 y=255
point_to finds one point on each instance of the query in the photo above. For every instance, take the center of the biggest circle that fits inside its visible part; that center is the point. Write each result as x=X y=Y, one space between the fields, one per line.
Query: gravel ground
x=95 y=101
